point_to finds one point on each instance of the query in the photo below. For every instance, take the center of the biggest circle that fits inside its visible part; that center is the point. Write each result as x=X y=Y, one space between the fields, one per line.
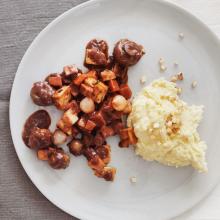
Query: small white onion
x=87 y=105
x=119 y=103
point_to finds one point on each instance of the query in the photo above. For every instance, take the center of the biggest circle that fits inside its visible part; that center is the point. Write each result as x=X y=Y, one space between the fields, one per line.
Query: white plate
x=160 y=192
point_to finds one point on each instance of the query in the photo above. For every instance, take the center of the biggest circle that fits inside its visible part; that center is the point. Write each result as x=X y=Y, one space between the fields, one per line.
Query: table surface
x=20 y=22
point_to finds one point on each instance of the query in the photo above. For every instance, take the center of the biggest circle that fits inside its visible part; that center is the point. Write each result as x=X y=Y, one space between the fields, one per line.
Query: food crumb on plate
x=143 y=79
x=133 y=179
x=174 y=78
x=177 y=77
x=176 y=64
x=163 y=68
x=162 y=65
x=161 y=61
x=194 y=84
x=181 y=36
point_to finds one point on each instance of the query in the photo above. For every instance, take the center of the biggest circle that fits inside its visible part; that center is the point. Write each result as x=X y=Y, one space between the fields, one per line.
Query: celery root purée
x=166 y=127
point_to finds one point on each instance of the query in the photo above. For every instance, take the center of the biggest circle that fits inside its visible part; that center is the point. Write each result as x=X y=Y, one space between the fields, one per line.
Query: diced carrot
x=55 y=81
x=74 y=90
x=123 y=133
x=86 y=90
x=73 y=105
x=92 y=74
x=90 y=125
x=107 y=105
x=124 y=143
x=98 y=118
x=125 y=91
x=106 y=131
x=82 y=122
x=42 y=154
x=131 y=137
x=113 y=85
x=79 y=79
x=128 y=134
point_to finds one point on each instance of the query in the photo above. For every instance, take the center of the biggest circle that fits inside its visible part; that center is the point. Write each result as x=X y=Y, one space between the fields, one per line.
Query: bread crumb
x=177 y=77
x=162 y=65
x=175 y=64
x=163 y=68
x=181 y=36
x=194 y=84
x=174 y=78
x=133 y=179
x=143 y=80
x=180 y=76
x=161 y=61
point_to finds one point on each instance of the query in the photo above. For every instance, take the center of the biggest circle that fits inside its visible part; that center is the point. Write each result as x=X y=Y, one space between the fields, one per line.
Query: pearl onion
x=87 y=105
x=59 y=137
x=119 y=103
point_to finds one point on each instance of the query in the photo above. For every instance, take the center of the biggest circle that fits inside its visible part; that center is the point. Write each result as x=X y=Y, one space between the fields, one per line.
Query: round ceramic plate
x=160 y=192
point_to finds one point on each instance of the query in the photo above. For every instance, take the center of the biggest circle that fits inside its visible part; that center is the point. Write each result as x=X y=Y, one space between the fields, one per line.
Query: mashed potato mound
x=166 y=127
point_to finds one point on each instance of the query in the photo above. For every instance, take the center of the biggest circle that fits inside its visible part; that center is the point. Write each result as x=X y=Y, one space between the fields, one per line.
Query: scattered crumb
x=161 y=61
x=143 y=80
x=194 y=84
x=162 y=65
x=181 y=36
x=163 y=68
x=133 y=179
x=174 y=78
x=177 y=77
x=175 y=64
x=180 y=76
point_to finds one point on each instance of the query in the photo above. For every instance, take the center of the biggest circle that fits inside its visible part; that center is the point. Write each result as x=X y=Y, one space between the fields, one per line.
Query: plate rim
x=76 y=212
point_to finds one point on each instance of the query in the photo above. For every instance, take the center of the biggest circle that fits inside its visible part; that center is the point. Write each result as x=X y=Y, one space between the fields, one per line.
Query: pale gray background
x=20 y=22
